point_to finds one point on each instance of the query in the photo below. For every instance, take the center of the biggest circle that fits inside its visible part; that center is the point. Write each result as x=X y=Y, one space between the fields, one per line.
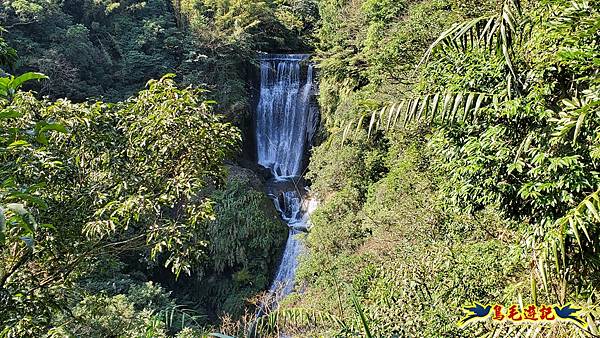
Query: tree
x=90 y=178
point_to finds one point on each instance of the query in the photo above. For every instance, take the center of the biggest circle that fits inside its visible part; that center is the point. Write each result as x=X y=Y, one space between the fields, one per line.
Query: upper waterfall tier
x=284 y=120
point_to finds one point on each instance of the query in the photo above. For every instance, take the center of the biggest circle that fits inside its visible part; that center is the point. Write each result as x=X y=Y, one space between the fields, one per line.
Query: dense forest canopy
x=457 y=162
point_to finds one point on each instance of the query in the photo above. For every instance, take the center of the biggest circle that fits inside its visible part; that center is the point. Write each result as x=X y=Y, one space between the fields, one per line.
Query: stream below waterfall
x=286 y=120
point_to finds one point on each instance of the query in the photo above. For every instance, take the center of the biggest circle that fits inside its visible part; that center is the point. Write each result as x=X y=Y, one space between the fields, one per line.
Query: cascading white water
x=285 y=124
x=283 y=282
x=284 y=118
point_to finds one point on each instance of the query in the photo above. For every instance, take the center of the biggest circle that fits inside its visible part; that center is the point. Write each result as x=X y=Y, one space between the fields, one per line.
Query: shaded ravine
x=286 y=121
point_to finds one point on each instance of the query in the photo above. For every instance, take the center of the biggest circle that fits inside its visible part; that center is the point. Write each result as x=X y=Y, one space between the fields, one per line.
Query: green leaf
x=578 y=126
x=363 y=318
x=346 y=130
x=434 y=105
x=592 y=209
x=398 y=111
x=18 y=81
x=390 y=116
x=54 y=126
x=9 y=114
x=372 y=122
x=413 y=108
x=423 y=110
x=19 y=143
x=468 y=105
x=457 y=102
x=360 y=122
x=573 y=225
x=2 y=226
x=41 y=138
x=37 y=201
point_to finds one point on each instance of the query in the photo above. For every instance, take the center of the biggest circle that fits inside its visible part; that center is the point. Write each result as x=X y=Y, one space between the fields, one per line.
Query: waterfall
x=284 y=118
x=285 y=124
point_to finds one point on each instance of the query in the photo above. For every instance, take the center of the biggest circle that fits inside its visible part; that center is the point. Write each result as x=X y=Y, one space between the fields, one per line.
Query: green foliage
x=255 y=25
x=110 y=49
x=489 y=186
x=93 y=48
x=413 y=264
x=8 y=55
x=243 y=233
x=91 y=178
x=508 y=154
x=10 y=84
x=368 y=51
x=244 y=246
x=144 y=310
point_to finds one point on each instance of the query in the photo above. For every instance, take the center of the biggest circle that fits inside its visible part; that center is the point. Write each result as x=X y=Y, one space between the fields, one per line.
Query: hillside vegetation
x=118 y=216
x=457 y=163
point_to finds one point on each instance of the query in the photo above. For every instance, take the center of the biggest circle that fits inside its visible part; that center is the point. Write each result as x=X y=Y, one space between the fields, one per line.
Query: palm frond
x=573 y=115
x=495 y=33
x=444 y=108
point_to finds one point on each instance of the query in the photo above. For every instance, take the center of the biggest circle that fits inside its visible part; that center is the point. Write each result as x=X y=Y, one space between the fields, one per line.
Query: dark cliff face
x=245 y=120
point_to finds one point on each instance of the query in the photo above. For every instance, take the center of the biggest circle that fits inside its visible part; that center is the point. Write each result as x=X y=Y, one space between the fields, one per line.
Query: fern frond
x=430 y=108
x=495 y=33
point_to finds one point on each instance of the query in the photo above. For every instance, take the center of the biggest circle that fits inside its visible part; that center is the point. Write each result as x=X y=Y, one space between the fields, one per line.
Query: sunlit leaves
x=495 y=33
x=10 y=84
x=442 y=108
x=146 y=161
x=583 y=216
x=84 y=178
x=575 y=114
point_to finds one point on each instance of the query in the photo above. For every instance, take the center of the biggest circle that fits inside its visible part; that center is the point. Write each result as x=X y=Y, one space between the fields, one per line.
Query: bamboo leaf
x=581 y=223
x=573 y=226
x=590 y=206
